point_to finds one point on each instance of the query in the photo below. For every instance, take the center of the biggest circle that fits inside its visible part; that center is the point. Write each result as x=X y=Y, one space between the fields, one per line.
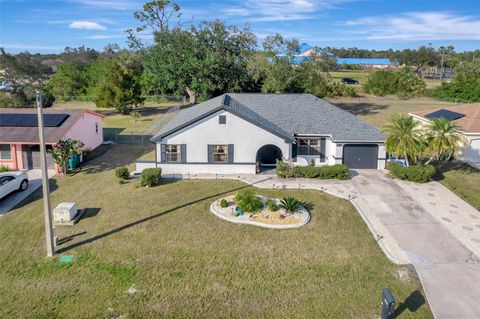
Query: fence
x=118 y=136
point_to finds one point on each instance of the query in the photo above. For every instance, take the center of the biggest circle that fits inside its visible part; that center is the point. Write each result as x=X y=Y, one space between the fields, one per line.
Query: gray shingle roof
x=285 y=115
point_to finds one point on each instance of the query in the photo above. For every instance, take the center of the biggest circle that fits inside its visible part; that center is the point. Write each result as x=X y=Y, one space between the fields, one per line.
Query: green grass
x=462 y=179
x=361 y=77
x=376 y=110
x=185 y=262
x=126 y=124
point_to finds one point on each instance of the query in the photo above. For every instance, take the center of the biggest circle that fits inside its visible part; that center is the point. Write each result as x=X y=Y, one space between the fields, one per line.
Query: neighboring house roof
x=284 y=115
x=363 y=61
x=24 y=135
x=469 y=123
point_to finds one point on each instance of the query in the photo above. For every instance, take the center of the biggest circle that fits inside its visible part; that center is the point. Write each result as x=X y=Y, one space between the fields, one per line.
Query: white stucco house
x=467 y=118
x=235 y=133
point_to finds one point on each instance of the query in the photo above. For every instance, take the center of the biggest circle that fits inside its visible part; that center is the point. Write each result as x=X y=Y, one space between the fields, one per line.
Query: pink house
x=19 y=144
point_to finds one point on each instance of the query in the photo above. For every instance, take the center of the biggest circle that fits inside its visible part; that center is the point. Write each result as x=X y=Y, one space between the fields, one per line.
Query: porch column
x=13 y=149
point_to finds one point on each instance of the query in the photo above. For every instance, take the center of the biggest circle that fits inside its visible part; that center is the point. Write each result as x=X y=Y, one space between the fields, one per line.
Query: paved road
x=12 y=200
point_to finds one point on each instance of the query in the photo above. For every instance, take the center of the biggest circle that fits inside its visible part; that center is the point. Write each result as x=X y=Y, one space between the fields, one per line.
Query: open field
x=150 y=112
x=178 y=260
x=376 y=110
x=361 y=77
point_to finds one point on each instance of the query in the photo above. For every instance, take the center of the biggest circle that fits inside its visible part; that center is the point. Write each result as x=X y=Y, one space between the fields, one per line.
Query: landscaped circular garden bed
x=248 y=208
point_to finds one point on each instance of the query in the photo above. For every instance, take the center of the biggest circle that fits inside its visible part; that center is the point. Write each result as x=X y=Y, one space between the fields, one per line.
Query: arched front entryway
x=268 y=155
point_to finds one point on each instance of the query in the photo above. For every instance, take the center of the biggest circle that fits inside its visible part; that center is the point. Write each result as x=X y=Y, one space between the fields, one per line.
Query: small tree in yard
x=443 y=139
x=122 y=89
x=63 y=151
x=404 y=137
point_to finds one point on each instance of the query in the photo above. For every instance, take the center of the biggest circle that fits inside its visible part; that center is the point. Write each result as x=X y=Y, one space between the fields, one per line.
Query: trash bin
x=74 y=161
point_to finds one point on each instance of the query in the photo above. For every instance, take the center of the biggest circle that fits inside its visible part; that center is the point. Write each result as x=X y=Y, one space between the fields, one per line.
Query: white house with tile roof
x=467 y=118
x=236 y=132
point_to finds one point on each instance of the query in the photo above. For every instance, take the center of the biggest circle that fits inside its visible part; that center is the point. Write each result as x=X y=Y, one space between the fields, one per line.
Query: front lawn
x=156 y=252
x=462 y=179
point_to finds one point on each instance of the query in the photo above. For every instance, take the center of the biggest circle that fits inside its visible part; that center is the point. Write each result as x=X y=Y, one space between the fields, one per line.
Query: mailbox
x=388 y=304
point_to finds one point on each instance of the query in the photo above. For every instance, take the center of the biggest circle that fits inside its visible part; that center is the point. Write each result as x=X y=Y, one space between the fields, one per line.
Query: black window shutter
x=230 y=153
x=183 y=153
x=163 y=153
x=322 y=149
x=294 y=150
x=210 y=153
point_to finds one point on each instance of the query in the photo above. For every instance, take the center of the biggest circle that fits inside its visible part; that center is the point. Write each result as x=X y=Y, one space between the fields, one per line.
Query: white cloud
x=86 y=25
x=417 y=26
x=279 y=10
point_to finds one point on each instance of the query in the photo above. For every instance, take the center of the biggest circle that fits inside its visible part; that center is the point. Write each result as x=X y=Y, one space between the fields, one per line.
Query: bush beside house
x=150 y=177
x=122 y=173
x=337 y=171
x=413 y=173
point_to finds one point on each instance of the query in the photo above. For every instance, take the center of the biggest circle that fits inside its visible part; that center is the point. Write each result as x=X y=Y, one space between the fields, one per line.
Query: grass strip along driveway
x=154 y=252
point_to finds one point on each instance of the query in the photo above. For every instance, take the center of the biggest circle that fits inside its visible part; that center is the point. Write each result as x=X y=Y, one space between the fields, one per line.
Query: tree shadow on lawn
x=361 y=108
x=413 y=302
x=119 y=155
x=146 y=219
x=460 y=167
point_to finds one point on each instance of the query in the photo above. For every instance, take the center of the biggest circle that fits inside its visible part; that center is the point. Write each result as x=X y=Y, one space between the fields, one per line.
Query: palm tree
x=443 y=139
x=404 y=137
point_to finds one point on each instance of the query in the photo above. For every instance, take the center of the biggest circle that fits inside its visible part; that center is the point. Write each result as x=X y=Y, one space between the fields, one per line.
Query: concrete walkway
x=421 y=224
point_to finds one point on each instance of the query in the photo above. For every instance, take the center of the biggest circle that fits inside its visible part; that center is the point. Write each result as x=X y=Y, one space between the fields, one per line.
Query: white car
x=12 y=181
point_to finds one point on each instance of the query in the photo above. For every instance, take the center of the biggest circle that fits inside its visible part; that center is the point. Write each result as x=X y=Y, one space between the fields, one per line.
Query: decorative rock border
x=217 y=211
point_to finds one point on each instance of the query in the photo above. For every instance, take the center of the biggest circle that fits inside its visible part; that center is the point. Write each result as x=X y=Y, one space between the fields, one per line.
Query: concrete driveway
x=449 y=271
x=10 y=201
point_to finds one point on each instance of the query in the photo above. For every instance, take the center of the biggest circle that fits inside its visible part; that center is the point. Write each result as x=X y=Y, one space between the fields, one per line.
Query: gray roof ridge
x=254 y=117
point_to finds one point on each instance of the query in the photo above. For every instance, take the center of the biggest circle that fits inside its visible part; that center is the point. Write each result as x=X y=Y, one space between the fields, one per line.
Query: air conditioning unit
x=65 y=212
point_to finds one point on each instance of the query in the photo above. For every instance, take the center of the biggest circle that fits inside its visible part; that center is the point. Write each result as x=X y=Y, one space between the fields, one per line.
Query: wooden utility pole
x=45 y=187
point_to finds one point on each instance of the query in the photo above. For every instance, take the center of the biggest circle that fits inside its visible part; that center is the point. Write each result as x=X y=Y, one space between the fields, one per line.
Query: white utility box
x=65 y=212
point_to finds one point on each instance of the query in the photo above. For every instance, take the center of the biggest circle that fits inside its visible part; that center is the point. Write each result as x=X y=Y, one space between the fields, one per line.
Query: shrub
x=272 y=206
x=150 y=177
x=283 y=170
x=122 y=173
x=402 y=82
x=337 y=171
x=290 y=204
x=4 y=169
x=248 y=201
x=413 y=173
x=223 y=203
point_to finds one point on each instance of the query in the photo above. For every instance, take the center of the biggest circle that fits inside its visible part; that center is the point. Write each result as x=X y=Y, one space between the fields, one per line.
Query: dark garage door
x=360 y=155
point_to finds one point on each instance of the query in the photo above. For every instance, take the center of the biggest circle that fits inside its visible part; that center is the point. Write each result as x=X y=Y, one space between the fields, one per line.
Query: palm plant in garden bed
x=290 y=204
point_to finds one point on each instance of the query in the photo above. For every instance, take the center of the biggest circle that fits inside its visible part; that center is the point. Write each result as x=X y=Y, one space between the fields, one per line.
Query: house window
x=96 y=128
x=5 y=152
x=220 y=153
x=172 y=153
x=308 y=147
x=222 y=119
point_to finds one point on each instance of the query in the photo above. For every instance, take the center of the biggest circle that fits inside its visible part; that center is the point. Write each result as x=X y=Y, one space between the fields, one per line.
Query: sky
x=48 y=26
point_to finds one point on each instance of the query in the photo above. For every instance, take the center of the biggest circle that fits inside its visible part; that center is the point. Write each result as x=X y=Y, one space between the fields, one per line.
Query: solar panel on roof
x=446 y=114
x=30 y=120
